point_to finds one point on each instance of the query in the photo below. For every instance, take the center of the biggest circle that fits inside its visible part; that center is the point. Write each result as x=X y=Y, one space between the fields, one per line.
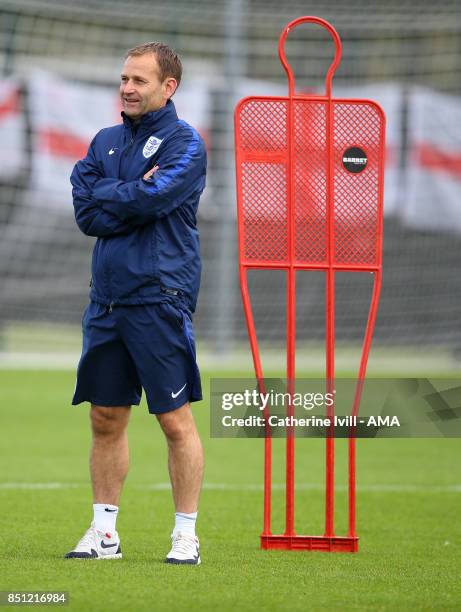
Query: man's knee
x=108 y=421
x=178 y=424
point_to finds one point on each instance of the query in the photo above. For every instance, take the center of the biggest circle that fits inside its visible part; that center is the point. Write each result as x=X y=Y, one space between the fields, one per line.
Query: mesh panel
x=264 y=182
x=356 y=195
x=310 y=165
x=263 y=126
x=262 y=144
x=265 y=219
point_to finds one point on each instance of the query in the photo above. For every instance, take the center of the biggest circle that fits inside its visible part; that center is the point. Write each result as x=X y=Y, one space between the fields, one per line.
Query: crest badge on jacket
x=151 y=146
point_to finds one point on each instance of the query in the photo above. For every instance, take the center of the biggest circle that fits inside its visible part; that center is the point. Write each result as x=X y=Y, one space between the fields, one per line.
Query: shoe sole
x=183 y=562
x=116 y=556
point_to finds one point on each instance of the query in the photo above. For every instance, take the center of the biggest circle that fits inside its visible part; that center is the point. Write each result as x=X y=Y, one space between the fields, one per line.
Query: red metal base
x=303 y=542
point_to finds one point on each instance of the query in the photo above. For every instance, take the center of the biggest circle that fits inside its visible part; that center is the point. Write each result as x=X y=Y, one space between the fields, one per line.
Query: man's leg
x=185 y=464
x=109 y=457
x=185 y=457
x=109 y=462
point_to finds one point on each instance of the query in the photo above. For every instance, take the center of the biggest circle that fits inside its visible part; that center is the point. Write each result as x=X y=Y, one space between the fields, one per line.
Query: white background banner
x=12 y=130
x=65 y=117
x=433 y=194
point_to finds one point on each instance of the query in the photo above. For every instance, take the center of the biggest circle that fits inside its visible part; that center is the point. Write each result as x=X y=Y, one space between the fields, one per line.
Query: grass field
x=408 y=517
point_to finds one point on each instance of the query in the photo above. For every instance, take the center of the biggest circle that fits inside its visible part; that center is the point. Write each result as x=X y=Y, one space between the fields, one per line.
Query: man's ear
x=169 y=87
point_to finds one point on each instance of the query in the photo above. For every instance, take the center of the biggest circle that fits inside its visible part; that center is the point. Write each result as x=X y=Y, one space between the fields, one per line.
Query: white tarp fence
x=12 y=130
x=65 y=116
x=433 y=177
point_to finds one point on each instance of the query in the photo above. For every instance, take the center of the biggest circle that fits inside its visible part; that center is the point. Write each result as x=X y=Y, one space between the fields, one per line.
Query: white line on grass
x=380 y=488
x=40 y=485
x=208 y=486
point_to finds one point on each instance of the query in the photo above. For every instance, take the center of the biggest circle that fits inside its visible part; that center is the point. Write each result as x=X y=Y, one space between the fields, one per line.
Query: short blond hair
x=167 y=59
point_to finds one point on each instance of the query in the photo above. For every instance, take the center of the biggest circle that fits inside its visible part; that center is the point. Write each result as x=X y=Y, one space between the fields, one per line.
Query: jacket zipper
x=108 y=267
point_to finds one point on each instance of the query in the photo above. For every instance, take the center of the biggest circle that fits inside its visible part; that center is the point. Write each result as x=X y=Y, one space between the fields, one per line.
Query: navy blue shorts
x=133 y=347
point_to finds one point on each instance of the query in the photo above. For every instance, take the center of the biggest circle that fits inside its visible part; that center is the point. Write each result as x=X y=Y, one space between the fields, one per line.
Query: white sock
x=105 y=517
x=185 y=523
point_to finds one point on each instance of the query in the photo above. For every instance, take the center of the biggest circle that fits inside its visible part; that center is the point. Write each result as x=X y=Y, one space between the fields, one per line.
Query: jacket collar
x=154 y=120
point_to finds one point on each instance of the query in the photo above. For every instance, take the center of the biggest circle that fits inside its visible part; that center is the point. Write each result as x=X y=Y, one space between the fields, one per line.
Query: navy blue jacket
x=148 y=243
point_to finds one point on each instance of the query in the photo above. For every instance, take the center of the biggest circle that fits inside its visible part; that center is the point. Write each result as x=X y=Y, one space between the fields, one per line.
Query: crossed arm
x=91 y=218
x=107 y=206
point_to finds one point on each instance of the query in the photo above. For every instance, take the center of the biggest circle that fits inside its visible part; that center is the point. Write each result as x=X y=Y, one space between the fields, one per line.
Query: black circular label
x=355 y=159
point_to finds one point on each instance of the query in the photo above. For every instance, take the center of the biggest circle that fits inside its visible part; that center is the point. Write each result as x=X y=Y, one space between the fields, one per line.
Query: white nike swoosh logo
x=173 y=395
x=112 y=151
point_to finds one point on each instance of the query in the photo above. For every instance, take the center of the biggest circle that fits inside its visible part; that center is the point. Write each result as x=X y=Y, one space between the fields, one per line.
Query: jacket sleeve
x=91 y=218
x=182 y=167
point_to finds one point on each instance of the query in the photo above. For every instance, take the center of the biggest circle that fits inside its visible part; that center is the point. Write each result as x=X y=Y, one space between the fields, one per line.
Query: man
x=137 y=191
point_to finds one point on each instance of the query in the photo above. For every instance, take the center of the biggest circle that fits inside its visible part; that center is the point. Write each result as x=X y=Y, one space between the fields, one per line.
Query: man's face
x=141 y=90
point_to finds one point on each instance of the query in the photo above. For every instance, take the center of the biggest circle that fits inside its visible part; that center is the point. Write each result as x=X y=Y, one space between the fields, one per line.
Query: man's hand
x=150 y=172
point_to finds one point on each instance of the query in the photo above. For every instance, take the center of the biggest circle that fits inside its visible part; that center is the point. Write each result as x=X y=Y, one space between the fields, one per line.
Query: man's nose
x=128 y=87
